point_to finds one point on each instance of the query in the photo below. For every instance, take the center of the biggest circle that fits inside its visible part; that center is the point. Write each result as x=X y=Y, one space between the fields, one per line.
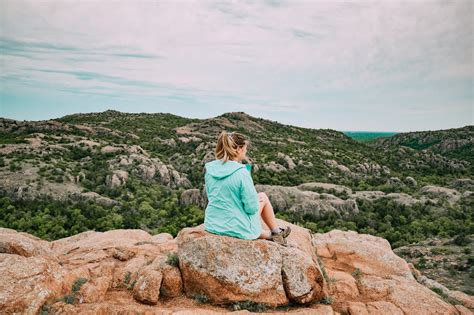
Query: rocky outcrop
x=327 y=187
x=226 y=269
x=116 y=179
x=110 y=149
x=366 y=276
x=342 y=168
x=285 y=198
x=101 y=200
x=189 y=139
x=30 y=272
x=458 y=296
x=274 y=167
x=435 y=192
x=399 y=198
x=410 y=181
x=48 y=126
x=125 y=271
x=439 y=141
x=288 y=160
x=302 y=198
x=463 y=183
x=193 y=196
x=147 y=169
x=395 y=181
x=372 y=168
x=311 y=198
x=443 y=263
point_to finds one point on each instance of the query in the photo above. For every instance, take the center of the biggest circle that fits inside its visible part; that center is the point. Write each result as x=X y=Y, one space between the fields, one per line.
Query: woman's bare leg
x=268 y=216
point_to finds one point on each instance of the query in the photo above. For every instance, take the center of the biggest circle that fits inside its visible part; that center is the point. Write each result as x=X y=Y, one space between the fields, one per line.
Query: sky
x=344 y=65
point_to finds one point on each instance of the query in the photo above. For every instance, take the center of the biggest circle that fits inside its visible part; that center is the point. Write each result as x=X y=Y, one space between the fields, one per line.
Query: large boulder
x=116 y=179
x=227 y=269
x=370 y=254
x=366 y=277
x=288 y=160
x=27 y=283
x=22 y=244
x=118 y=255
x=30 y=274
x=193 y=196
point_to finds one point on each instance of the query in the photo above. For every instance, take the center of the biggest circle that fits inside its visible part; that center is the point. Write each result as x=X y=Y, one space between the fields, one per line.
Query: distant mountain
x=455 y=143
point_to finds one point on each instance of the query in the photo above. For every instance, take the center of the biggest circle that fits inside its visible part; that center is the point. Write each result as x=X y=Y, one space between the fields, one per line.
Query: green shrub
x=421 y=264
x=76 y=286
x=250 y=306
x=461 y=240
x=126 y=280
x=357 y=273
x=326 y=300
x=72 y=297
x=445 y=297
x=201 y=298
x=323 y=269
x=172 y=259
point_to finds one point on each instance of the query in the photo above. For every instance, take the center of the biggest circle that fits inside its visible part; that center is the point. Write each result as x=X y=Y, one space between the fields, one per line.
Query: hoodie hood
x=220 y=170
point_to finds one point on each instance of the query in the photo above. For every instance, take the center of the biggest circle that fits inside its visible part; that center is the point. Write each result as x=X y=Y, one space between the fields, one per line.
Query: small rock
x=147 y=288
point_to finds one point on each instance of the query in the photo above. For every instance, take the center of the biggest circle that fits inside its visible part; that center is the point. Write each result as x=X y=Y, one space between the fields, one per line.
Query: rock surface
x=365 y=277
x=227 y=269
x=125 y=271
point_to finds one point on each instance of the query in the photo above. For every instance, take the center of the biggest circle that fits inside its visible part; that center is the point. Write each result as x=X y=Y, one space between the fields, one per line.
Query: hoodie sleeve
x=248 y=193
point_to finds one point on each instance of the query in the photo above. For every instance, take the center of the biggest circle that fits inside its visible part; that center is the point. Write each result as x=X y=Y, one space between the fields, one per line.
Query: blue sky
x=344 y=65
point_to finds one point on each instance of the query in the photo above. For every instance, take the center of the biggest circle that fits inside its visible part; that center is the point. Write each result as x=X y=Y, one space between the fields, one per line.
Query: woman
x=235 y=207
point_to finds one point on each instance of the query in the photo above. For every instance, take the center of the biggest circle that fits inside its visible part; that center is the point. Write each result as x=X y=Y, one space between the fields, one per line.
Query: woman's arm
x=248 y=193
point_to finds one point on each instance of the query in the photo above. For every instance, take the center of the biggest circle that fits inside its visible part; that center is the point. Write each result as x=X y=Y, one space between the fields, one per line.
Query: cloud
x=289 y=55
x=31 y=48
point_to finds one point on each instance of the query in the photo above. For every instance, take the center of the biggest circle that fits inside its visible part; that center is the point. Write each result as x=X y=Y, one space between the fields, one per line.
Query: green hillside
x=112 y=170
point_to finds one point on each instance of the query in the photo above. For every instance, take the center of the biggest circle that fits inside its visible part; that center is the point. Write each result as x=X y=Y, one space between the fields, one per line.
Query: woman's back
x=232 y=200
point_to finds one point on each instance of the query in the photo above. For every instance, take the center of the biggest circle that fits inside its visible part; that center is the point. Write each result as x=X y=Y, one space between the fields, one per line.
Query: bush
x=461 y=240
x=71 y=298
x=201 y=298
x=250 y=306
x=357 y=273
x=76 y=286
x=325 y=300
x=172 y=259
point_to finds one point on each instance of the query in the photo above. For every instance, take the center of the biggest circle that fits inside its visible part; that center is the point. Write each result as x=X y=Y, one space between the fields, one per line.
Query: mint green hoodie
x=233 y=201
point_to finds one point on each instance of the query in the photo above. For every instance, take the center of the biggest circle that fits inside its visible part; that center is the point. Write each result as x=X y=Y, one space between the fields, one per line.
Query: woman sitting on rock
x=234 y=206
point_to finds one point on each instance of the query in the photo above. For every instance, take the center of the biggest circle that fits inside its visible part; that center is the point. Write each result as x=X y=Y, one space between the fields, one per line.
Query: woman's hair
x=227 y=145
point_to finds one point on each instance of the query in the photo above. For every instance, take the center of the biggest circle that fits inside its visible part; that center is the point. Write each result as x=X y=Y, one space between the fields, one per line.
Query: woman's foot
x=280 y=235
x=283 y=231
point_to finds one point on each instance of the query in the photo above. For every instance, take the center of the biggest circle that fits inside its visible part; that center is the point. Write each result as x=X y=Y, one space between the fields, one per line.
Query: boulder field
x=131 y=271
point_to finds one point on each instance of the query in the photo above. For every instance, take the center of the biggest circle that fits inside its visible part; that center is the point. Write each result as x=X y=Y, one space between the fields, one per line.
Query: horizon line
x=151 y=113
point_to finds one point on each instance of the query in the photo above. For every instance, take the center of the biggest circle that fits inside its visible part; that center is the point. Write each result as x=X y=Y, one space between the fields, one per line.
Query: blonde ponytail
x=227 y=145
